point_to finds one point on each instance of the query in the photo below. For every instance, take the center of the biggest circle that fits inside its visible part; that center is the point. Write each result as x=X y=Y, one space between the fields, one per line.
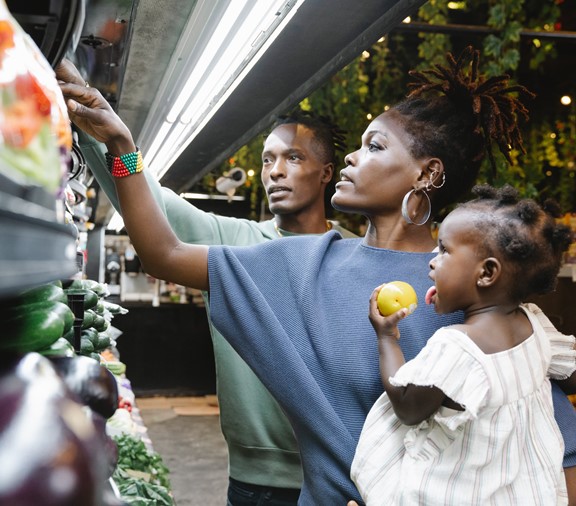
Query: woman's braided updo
x=522 y=233
x=458 y=124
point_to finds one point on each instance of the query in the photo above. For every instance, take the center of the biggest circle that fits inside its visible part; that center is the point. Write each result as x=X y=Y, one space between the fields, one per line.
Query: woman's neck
x=399 y=235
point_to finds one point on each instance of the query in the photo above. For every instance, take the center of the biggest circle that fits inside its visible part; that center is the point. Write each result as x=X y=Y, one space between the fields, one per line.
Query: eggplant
x=93 y=384
x=50 y=453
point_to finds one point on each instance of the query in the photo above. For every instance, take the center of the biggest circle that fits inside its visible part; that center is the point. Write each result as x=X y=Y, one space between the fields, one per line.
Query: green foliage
x=134 y=455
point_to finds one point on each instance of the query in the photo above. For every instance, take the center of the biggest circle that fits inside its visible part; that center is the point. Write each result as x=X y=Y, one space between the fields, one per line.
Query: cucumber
x=66 y=314
x=86 y=346
x=43 y=293
x=99 y=308
x=89 y=317
x=90 y=297
x=103 y=341
x=59 y=348
x=98 y=288
x=91 y=334
x=114 y=308
x=32 y=327
x=100 y=323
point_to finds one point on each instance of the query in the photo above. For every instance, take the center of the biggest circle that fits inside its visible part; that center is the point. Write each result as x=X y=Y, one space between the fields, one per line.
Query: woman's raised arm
x=162 y=254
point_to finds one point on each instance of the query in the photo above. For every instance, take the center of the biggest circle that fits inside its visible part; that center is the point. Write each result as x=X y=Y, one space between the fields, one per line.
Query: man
x=298 y=162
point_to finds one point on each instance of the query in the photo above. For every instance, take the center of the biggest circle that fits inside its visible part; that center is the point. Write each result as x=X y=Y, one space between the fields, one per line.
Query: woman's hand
x=90 y=111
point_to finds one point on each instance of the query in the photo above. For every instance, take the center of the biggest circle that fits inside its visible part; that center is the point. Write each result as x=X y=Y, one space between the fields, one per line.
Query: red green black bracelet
x=125 y=165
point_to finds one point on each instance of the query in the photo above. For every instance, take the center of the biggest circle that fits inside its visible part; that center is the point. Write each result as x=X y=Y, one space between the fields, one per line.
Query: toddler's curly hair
x=522 y=233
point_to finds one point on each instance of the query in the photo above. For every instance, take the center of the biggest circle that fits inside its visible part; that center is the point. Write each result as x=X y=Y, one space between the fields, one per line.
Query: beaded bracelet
x=125 y=165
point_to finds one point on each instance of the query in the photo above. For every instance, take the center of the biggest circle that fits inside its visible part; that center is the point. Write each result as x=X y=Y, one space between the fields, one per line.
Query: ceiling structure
x=126 y=46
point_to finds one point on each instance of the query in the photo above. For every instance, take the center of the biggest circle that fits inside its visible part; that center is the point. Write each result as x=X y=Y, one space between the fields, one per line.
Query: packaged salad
x=35 y=133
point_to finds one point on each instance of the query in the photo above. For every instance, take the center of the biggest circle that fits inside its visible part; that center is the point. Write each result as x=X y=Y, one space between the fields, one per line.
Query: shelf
x=35 y=247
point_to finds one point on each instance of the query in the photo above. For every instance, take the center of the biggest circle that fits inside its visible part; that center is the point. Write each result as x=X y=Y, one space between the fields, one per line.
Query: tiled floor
x=185 y=431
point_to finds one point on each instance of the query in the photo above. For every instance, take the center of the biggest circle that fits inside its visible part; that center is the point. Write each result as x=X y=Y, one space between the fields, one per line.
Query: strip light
x=218 y=47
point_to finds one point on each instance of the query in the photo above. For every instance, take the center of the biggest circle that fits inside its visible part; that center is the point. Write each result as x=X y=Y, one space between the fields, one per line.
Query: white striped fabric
x=505 y=448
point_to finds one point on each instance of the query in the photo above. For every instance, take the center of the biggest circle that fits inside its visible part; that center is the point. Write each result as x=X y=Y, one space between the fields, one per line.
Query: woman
x=279 y=304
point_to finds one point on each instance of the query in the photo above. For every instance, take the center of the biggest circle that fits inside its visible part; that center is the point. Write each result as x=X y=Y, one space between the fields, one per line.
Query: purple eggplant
x=94 y=385
x=50 y=452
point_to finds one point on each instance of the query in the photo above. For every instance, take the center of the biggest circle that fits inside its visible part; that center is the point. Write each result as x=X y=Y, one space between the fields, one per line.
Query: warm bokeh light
x=368 y=116
x=566 y=100
x=407 y=20
x=250 y=173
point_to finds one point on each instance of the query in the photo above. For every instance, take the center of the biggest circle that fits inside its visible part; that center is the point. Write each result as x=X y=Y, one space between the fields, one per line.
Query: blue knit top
x=296 y=310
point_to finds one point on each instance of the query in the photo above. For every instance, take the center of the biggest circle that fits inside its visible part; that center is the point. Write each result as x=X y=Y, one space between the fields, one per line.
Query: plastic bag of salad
x=35 y=133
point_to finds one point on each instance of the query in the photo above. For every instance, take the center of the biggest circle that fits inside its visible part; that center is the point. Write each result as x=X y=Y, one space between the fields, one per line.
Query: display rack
x=35 y=247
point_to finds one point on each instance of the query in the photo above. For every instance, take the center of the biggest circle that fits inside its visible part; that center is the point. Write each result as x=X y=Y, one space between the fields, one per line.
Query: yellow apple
x=396 y=295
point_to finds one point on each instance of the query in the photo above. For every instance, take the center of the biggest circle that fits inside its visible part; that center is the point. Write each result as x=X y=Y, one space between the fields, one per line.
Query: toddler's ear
x=490 y=271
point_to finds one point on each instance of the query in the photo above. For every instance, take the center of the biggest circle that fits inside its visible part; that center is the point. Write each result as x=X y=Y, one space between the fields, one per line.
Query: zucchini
x=91 y=334
x=113 y=308
x=99 y=323
x=99 y=308
x=90 y=297
x=98 y=288
x=43 y=293
x=103 y=341
x=59 y=348
x=32 y=327
x=89 y=317
x=86 y=346
x=66 y=314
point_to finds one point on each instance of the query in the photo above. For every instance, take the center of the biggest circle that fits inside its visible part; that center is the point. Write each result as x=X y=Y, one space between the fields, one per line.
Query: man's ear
x=327 y=172
x=490 y=272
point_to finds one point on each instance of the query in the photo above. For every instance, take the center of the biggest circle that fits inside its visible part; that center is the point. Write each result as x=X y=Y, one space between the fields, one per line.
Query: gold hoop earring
x=406 y=214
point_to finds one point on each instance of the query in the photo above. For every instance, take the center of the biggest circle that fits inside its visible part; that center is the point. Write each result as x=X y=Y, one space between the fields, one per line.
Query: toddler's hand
x=385 y=326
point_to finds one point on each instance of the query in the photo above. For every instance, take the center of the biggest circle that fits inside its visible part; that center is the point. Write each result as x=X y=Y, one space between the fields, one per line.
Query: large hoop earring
x=406 y=214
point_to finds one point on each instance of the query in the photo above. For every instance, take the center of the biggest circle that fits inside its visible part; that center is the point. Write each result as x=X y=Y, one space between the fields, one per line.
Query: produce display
x=66 y=405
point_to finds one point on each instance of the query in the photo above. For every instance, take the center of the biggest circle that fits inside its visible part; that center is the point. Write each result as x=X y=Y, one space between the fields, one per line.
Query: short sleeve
x=563 y=361
x=447 y=362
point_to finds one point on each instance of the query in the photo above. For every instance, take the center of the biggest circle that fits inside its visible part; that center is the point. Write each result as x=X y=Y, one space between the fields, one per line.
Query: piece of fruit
x=396 y=295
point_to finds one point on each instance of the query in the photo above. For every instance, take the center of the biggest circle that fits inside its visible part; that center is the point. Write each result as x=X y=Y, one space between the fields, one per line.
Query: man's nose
x=278 y=169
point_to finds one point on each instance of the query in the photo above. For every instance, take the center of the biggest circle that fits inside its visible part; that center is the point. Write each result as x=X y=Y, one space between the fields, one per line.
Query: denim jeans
x=245 y=494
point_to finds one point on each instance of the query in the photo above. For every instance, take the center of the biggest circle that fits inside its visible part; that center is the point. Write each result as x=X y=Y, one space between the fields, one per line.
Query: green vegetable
x=100 y=323
x=44 y=293
x=91 y=334
x=97 y=288
x=114 y=308
x=89 y=317
x=90 y=297
x=59 y=348
x=99 y=308
x=103 y=341
x=86 y=346
x=33 y=327
x=134 y=455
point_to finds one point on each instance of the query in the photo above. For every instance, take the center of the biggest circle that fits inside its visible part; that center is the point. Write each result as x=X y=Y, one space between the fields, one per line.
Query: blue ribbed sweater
x=297 y=312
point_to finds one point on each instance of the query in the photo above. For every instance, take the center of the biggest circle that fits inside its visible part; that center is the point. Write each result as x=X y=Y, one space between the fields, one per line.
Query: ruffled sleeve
x=450 y=362
x=563 y=361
